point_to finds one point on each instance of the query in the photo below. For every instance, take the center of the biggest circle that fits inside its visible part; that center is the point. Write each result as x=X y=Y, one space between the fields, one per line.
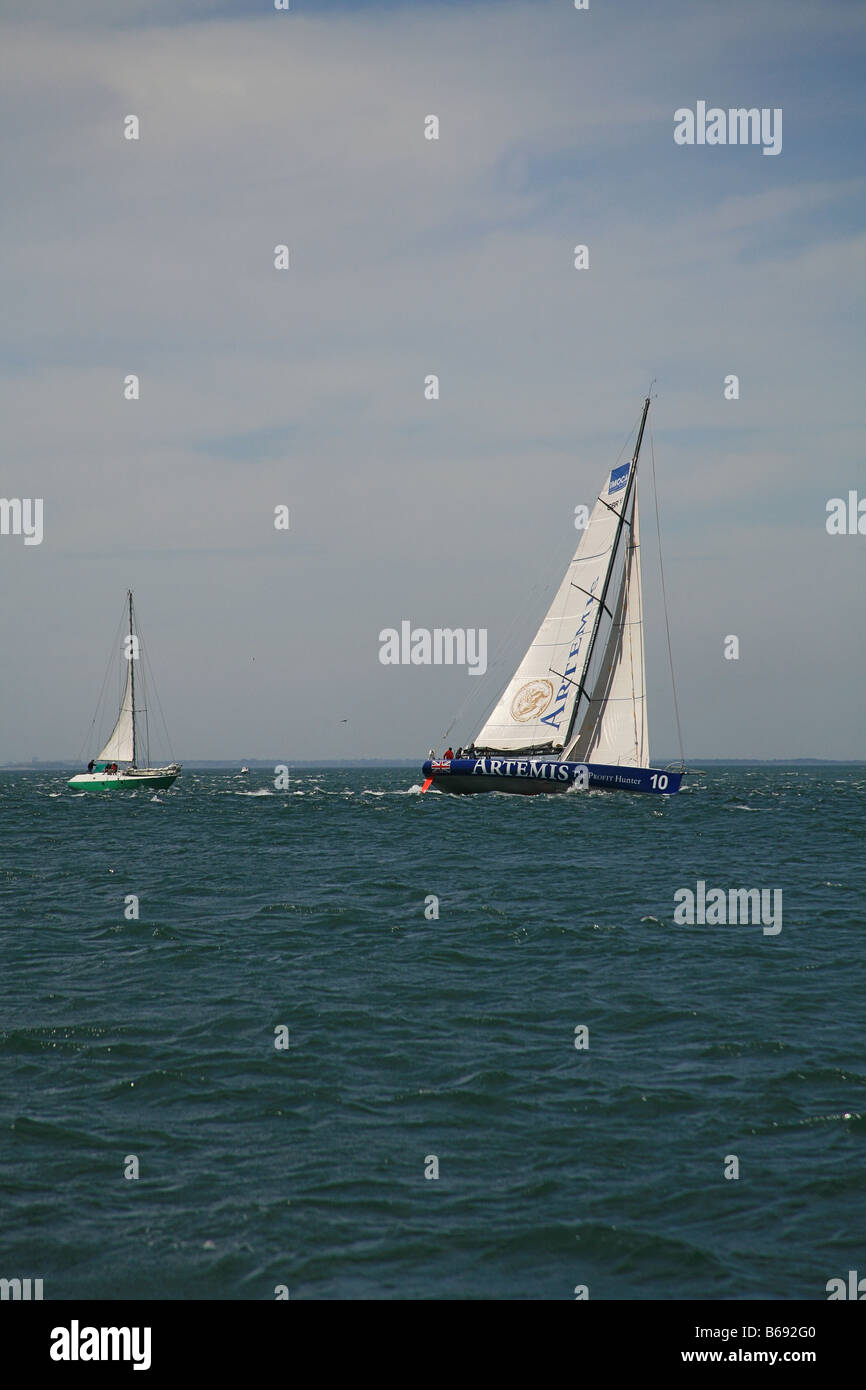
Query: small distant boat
x=575 y=712
x=244 y=769
x=117 y=764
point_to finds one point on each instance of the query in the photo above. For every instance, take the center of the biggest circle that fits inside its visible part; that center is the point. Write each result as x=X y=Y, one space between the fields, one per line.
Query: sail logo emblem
x=531 y=701
x=618 y=478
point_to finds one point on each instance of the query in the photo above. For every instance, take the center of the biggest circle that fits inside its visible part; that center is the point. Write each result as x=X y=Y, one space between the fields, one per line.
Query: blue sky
x=411 y=257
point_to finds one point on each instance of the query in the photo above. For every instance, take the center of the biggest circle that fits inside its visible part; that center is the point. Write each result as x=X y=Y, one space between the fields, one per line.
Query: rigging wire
x=88 y=737
x=150 y=689
x=141 y=691
x=503 y=650
x=665 y=603
x=630 y=546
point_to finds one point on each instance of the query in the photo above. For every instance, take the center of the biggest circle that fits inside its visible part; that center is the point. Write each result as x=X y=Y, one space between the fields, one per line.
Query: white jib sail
x=119 y=747
x=615 y=729
x=536 y=707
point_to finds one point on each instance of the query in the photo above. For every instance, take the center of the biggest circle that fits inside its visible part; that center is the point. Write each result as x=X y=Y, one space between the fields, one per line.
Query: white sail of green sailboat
x=117 y=763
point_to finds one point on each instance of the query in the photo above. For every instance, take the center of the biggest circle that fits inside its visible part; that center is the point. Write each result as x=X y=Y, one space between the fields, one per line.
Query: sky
x=411 y=257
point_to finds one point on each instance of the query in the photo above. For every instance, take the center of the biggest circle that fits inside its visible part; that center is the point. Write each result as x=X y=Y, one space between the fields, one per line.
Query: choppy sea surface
x=413 y=1036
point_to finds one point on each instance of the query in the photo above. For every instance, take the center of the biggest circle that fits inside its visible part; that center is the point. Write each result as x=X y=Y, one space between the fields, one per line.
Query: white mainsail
x=614 y=731
x=120 y=747
x=537 y=709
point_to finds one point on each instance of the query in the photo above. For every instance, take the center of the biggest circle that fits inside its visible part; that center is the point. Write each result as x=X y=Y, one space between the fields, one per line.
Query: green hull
x=97 y=781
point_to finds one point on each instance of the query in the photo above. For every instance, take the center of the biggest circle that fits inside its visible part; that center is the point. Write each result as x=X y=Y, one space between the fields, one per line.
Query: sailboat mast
x=132 y=675
x=646 y=406
x=613 y=553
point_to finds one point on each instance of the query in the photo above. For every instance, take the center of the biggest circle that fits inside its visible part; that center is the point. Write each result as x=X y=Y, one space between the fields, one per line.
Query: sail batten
x=614 y=730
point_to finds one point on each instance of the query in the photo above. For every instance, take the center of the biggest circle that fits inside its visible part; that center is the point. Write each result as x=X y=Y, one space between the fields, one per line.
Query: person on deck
x=449 y=753
x=90 y=766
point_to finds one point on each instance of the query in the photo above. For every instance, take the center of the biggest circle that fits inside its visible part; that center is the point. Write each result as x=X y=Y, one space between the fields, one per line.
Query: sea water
x=285 y=1005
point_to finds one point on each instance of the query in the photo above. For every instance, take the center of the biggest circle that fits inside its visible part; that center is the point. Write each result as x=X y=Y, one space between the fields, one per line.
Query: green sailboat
x=117 y=764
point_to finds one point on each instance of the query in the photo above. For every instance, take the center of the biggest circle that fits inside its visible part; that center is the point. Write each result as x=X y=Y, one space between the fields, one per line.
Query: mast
x=132 y=674
x=607 y=578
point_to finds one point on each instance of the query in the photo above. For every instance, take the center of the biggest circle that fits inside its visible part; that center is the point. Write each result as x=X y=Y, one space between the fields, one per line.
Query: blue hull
x=531 y=776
